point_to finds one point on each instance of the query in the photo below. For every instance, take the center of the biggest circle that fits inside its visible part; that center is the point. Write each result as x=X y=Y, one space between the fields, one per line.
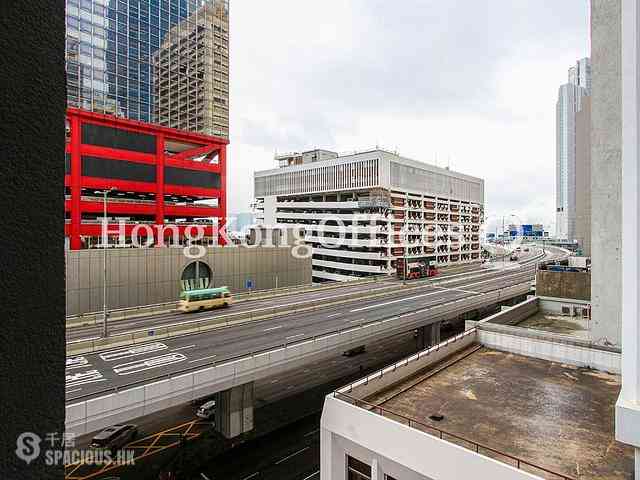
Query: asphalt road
x=93 y=374
x=291 y=453
x=76 y=333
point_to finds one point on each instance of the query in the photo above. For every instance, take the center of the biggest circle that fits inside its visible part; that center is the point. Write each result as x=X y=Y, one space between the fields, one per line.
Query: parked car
x=114 y=437
x=207 y=410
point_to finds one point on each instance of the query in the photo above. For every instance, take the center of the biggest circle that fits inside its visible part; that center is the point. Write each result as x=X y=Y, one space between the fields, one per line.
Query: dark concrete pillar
x=234 y=410
x=429 y=335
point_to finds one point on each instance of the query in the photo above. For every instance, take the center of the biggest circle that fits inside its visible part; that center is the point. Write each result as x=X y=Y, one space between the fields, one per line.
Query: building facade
x=583 y=177
x=159 y=181
x=128 y=57
x=569 y=103
x=373 y=212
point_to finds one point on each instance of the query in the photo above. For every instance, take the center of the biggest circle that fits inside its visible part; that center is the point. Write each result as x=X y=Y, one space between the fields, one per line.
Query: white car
x=207 y=410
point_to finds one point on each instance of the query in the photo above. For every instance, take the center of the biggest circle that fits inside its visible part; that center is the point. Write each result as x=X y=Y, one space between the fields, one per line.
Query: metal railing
x=459 y=440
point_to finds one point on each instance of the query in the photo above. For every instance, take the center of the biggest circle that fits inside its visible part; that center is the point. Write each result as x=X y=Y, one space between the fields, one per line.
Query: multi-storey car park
x=372 y=212
x=151 y=180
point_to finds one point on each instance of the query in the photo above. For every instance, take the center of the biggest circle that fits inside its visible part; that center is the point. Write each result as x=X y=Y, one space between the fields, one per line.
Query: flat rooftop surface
x=577 y=327
x=556 y=416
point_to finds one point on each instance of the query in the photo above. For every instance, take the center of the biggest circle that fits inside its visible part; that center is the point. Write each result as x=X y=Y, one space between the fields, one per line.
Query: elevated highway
x=116 y=385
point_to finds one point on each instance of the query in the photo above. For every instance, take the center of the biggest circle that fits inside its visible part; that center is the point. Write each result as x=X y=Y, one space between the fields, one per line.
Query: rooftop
x=557 y=416
x=577 y=327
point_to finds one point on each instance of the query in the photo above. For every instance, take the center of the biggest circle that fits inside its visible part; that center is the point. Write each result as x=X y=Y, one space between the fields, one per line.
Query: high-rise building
x=580 y=74
x=373 y=212
x=569 y=103
x=128 y=57
x=191 y=72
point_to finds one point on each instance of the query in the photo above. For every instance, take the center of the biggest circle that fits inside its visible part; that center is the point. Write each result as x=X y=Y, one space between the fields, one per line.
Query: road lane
x=218 y=345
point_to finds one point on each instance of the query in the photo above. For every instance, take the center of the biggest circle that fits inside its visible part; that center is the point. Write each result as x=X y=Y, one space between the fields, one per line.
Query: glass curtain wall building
x=157 y=61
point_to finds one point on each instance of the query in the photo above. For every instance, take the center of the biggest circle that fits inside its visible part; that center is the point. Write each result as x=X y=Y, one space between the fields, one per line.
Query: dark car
x=114 y=437
x=354 y=351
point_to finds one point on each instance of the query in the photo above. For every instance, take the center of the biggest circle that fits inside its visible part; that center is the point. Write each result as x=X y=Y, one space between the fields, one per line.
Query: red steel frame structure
x=192 y=145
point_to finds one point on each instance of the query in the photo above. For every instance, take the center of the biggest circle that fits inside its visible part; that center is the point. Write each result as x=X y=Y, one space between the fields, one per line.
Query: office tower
x=373 y=212
x=569 y=103
x=191 y=73
x=128 y=57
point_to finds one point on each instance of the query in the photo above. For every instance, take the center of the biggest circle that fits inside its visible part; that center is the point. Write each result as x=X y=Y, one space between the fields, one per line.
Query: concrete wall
x=606 y=139
x=144 y=276
x=583 y=176
x=574 y=285
x=515 y=314
x=548 y=346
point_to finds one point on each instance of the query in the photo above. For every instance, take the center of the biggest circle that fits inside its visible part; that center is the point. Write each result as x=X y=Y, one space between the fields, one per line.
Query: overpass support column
x=234 y=410
x=429 y=335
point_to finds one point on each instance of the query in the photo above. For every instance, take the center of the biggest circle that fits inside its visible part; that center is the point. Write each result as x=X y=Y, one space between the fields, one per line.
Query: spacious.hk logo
x=28 y=446
x=59 y=449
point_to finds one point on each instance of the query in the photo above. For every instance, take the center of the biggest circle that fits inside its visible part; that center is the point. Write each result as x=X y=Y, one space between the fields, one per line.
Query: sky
x=467 y=84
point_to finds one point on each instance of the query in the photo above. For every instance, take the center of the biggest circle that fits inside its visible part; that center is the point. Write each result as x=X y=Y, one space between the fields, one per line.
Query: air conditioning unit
x=567 y=310
x=586 y=312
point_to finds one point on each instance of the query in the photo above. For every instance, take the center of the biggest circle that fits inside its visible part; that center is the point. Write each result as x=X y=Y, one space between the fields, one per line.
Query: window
x=357 y=470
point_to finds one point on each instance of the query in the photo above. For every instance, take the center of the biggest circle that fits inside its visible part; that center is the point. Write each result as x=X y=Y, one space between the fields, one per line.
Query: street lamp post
x=105 y=238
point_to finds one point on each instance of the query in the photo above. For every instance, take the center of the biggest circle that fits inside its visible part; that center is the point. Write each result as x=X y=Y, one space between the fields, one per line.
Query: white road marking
x=86 y=339
x=251 y=476
x=295 y=336
x=312 y=475
x=272 y=328
x=203 y=358
x=148 y=364
x=292 y=455
x=312 y=432
x=82 y=378
x=77 y=362
x=368 y=307
x=334 y=315
x=74 y=390
x=132 y=351
x=204 y=477
x=182 y=348
x=359 y=320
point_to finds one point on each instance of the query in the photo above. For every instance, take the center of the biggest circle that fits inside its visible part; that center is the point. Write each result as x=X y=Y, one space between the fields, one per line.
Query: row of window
x=143 y=7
